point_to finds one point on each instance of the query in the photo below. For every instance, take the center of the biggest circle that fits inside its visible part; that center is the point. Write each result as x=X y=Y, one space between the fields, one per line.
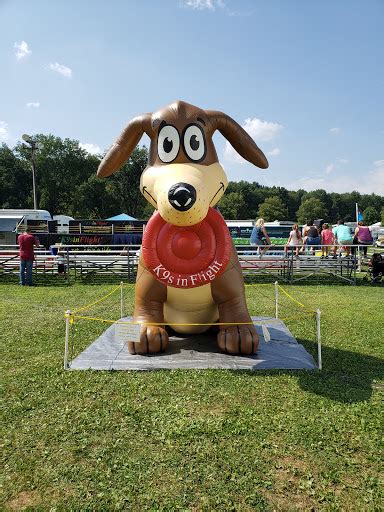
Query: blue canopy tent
x=129 y=238
x=121 y=216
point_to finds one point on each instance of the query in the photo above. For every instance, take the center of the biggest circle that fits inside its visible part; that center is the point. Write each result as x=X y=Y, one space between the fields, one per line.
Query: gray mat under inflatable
x=199 y=352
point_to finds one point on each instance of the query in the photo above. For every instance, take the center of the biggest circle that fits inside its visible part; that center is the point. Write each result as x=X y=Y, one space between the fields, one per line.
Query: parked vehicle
x=14 y=220
x=278 y=231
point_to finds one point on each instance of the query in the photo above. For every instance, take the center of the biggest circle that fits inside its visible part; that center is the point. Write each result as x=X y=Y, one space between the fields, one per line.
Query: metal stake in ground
x=67 y=327
x=318 y=337
x=276 y=299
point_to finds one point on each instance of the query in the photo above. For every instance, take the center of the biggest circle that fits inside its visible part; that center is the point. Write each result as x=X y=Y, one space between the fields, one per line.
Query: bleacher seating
x=81 y=262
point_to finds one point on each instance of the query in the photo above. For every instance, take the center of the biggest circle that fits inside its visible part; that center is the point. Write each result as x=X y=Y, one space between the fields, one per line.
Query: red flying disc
x=186 y=256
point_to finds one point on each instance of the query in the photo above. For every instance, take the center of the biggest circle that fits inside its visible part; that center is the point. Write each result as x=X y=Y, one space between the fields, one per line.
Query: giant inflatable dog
x=188 y=271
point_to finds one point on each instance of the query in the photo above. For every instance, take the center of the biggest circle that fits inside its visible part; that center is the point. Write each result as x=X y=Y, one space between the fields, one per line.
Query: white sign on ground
x=125 y=331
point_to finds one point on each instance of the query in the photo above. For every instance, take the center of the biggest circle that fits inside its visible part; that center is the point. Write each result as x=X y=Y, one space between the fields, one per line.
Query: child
x=294 y=240
x=327 y=238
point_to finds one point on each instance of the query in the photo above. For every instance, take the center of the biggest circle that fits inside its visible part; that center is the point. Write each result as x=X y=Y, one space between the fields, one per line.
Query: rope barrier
x=305 y=313
x=72 y=317
x=98 y=301
x=74 y=312
x=295 y=300
x=257 y=284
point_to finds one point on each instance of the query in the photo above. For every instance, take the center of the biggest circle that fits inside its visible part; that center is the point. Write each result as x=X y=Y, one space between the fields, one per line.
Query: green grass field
x=191 y=440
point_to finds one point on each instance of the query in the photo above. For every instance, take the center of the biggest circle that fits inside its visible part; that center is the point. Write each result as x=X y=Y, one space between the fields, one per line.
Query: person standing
x=27 y=242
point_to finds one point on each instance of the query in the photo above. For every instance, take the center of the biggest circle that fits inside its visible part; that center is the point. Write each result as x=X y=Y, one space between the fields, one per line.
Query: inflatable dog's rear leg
x=229 y=295
x=149 y=302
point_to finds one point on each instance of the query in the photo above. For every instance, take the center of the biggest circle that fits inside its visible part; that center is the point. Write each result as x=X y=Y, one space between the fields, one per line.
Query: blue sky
x=305 y=78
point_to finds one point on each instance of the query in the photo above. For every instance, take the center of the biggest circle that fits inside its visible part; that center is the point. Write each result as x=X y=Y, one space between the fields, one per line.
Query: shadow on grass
x=61 y=280
x=95 y=279
x=39 y=280
x=313 y=281
x=346 y=376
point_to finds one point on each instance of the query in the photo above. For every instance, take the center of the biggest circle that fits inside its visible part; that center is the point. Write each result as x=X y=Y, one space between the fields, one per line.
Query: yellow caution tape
x=97 y=302
x=294 y=300
x=72 y=315
x=161 y=324
x=259 y=284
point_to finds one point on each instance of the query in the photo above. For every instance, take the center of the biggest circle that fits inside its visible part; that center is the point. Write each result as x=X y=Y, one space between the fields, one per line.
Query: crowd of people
x=311 y=237
x=331 y=240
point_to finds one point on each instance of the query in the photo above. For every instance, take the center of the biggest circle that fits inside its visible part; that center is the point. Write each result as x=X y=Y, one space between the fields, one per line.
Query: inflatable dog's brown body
x=182 y=181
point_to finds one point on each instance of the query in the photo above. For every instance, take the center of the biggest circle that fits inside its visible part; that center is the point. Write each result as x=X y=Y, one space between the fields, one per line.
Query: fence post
x=67 y=264
x=318 y=338
x=358 y=259
x=67 y=327
x=276 y=299
x=121 y=299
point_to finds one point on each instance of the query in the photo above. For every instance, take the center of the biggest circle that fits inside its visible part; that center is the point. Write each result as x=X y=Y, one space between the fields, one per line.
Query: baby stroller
x=375 y=268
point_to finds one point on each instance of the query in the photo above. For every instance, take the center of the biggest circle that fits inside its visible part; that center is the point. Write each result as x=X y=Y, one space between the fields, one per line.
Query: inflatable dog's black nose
x=182 y=196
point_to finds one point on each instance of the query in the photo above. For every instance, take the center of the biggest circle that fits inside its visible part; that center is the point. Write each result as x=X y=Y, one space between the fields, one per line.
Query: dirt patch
x=287 y=474
x=290 y=502
x=23 y=500
x=295 y=467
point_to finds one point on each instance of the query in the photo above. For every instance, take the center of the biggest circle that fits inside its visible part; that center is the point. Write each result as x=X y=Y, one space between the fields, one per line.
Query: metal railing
x=86 y=261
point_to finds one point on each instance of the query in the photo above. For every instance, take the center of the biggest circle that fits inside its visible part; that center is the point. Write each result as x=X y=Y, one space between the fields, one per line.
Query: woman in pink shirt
x=327 y=238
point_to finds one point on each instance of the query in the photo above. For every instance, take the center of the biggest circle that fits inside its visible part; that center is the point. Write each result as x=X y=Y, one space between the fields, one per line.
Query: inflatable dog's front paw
x=152 y=340
x=238 y=339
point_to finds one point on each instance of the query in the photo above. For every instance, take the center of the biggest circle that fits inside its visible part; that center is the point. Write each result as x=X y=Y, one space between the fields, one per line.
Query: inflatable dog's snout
x=182 y=193
x=182 y=196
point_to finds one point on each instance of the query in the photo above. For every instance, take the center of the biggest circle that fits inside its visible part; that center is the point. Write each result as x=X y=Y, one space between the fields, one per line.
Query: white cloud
x=274 y=152
x=4 y=134
x=335 y=165
x=367 y=183
x=335 y=130
x=93 y=149
x=33 y=104
x=22 y=50
x=259 y=131
x=204 y=4
x=379 y=163
x=62 y=70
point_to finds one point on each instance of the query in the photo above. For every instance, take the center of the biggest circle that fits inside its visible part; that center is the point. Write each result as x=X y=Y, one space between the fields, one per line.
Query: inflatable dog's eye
x=168 y=143
x=194 y=142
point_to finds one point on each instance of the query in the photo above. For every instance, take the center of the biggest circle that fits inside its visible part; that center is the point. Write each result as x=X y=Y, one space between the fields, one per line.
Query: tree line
x=66 y=183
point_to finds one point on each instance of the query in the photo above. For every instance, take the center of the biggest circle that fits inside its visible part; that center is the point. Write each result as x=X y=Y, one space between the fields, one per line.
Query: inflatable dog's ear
x=123 y=146
x=238 y=138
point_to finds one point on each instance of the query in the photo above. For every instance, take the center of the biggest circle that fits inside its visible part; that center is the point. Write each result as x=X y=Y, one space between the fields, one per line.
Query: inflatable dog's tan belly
x=189 y=306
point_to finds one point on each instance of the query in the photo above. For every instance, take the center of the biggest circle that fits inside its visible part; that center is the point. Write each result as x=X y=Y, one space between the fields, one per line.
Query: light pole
x=34 y=144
